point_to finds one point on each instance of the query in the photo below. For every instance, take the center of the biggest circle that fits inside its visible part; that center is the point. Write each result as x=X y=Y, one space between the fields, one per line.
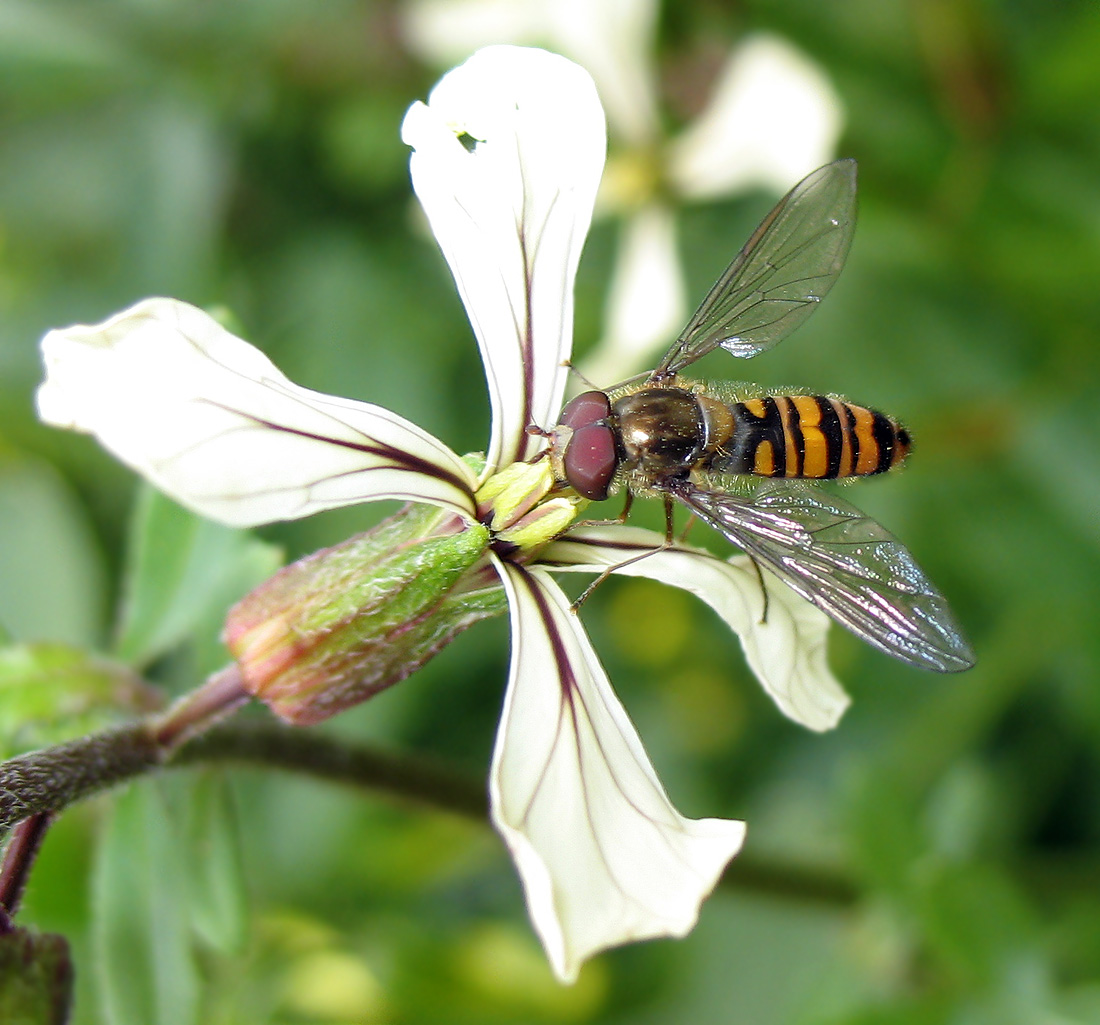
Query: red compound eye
x=586 y=408
x=590 y=459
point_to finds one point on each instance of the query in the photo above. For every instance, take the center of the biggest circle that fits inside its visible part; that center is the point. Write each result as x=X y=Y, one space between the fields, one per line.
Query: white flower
x=508 y=154
x=772 y=118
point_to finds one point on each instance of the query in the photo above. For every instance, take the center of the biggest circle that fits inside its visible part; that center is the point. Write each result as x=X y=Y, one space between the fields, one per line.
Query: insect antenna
x=568 y=364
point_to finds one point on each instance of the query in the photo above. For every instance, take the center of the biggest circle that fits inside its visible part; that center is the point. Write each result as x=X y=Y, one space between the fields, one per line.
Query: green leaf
x=978 y=921
x=141 y=925
x=884 y=831
x=219 y=909
x=36 y=979
x=51 y=692
x=183 y=574
x=51 y=577
x=35 y=32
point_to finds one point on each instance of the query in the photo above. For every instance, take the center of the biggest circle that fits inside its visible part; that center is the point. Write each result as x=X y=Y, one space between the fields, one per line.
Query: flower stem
x=221 y=694
x=46 y=781
x=19 y=855
x=37 y=784
x=293 y=749
x=34 y=786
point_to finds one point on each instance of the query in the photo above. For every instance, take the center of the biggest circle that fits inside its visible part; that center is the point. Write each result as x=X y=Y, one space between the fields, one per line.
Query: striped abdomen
x=809 y=436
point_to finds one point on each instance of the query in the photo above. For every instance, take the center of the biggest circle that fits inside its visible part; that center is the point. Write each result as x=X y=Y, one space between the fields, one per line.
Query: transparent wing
x=843 y=562
x=786 y=267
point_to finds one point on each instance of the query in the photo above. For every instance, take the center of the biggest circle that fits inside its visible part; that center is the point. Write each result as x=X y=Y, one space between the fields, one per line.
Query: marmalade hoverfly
x=738 y=459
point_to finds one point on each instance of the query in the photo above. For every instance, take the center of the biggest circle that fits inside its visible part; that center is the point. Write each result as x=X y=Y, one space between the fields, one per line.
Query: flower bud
x=536 y=529
x=344 y=623
x=508 y=495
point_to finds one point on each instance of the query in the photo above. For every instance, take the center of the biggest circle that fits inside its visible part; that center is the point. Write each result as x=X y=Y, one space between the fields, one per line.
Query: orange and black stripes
x=810 y=437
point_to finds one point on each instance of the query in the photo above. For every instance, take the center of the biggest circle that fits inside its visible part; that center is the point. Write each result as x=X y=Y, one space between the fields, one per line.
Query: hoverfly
x=741 y=463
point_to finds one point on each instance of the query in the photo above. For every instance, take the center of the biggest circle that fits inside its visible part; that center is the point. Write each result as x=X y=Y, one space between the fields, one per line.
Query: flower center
x=514 y=504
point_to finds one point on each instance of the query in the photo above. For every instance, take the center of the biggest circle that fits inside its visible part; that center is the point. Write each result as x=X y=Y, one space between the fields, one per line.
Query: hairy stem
x=437 y=785
x=293 y=749
x=26 y=841
x=46 y=781
x=221 y=695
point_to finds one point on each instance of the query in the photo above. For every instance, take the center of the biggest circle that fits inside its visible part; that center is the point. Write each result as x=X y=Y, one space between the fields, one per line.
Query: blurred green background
x=934 y=859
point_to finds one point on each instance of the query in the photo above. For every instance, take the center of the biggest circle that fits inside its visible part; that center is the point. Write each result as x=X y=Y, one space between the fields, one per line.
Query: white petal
x=774 y=117
x=508 y=155
x=446 y=31
x=604 y=856
x=611 y=39
x=213 y=423
x=786 y=650
x=646 y=306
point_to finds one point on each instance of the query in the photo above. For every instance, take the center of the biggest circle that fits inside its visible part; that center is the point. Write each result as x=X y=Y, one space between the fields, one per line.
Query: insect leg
x=618 y=521
x=763 y=588
x=687 y=528
x=614 y=569
x=667 y=543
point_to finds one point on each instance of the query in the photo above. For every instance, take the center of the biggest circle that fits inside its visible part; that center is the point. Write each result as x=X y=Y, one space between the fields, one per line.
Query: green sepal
x=342 y=624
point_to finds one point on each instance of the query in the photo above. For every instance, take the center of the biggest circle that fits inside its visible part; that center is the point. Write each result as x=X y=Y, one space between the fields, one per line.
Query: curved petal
x=646 y=306
x=212 y=422
x=611 y=39
x=508 y=154
x=604 y=856
x=446 y=31
x=773 y=118
x=785 y=647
